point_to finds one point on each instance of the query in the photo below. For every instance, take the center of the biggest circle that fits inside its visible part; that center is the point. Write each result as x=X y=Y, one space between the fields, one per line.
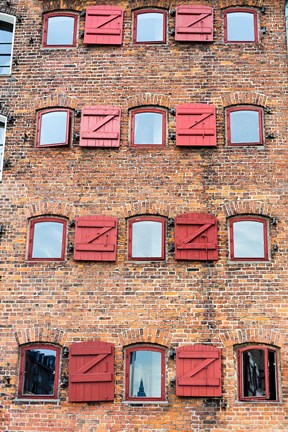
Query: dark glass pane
x=47 y=241
x=248 y=239
x=254 y=373
x=39 y=372
x=146 y=239
x=60 y=30
x=150 y=27
x=145 y=374
x=240 y=27
x=6 y=32
x=53 y=128
x=244 y=127
x=272 y=375
x=148 y=128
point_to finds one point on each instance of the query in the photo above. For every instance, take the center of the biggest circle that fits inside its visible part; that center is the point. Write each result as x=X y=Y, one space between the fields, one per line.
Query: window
x=248 y=239
x=7 y=24
x=59 y=30
x=148 y=127
x=39 y=371
x=146 y=238
x=54 y=128
x=258 y=374
x=145 y=372
x=240 y=25
x=244 y=125
x=149 y=26
x=47 y=239
x=2 y=142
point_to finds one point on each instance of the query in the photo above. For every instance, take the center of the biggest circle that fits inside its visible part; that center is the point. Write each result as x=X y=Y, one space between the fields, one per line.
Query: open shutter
x=95 y=238
x=196 y=125
x=103 y=25
x=91 y=372
x=196 y=237
x=100 y=127
x=198 y=371
x=194 y=23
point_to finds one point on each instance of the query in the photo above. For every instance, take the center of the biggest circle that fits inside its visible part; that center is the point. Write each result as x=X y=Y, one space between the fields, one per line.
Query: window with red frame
x=54 y=127
x=240 y=25
x=150 y=26
x=146 y=238
x=39 y=371
x=47 y=239
x=60 y=30
x=244 y=125
x=145 y=373
x=148 y=127
x=258 y=373
x=248 y=238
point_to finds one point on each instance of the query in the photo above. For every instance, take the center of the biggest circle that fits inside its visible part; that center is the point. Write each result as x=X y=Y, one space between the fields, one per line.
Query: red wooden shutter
x=91 y=372
x=95 y=238
x=194 y=23
x=196 y=237
x=103 y=25
x=196 y=125
x=100 y=127
x=198 y=371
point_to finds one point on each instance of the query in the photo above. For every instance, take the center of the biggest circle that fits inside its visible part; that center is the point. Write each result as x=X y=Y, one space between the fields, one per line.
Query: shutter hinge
x=171 y=248
x=83 y=13
x=270 y=136
x=172 y=353
x=19 y=18
x=172 y=12
x=263 y=30
x=275 y=248
x=263 y=9
x=81 y=34
x=172 y=111
x=268 y=110
x=1 y=229
x=171 y=222
x=274 y=221
x=64 y=381
x=70 y=247
x=172 y=136
x=25 y=137
x=65 y=352
x=172 y=32
x=7 y=163
x=172 y=382
x=76 y=136
x=72 y=224
x=78 y=113
x=11 y=119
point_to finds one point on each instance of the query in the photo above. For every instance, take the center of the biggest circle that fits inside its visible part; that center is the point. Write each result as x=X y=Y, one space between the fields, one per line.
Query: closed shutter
x=194 y=23
x=91 y=372
x=196 y=237
x=103 y=25
x=198 y=371
x=95 y=238
x=100 y=127
x=196 y=125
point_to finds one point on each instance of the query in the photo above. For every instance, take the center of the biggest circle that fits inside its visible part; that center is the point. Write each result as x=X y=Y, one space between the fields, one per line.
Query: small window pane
x=240 y=27
x=150 y=27
x=47 y=240
x=147 y=239
x=145 y=374
x=254 y=373
x=53 y=128
x=244 y=127
x=148 y=128
x=6 y=32
x=60 y=30
x=39 y=373
x=5 y=49
x=248 y=239
x=6 y=39
x=2 y=134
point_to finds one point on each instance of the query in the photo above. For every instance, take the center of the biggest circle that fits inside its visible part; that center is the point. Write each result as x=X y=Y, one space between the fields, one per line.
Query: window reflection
x=6 y=40
x=240 y=27
x=145 y=374
x=60 y=30
x=53 y=128
x=244 y=127
x=47 y=240
x=248 y=239
x=149 y=27
x=39 y=374
x=147 y=239
x=148 y=128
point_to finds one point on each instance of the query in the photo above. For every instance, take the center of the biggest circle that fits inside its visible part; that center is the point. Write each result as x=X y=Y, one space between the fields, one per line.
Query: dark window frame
x=45 y=29
x=138 y=12
x=163 y=241
x=143 y=110
x=68 y=139
x=145 y=347
x=230 y=110
x=255 y=21
x=3 y=125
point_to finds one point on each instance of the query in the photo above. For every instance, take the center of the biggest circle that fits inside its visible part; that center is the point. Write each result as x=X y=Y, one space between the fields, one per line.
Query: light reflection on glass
x=248 y=239
x=244 y=127
x=150 y=27
x=240 y=27
x=148 y=128
x=53 y=128
x=145 y=374
x=47 y=241
x=60 y=30
x=146 y=239
x=39 y=372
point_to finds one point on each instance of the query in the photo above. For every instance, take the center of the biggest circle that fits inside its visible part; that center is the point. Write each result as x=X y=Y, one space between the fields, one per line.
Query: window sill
x=142 y=403
x=35 y=401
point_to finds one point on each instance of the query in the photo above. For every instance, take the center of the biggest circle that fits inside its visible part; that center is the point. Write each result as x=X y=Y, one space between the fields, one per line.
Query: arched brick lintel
x=151 y=335
x=147 y=207
x=257 y=335
x=55 y=100
x=149 y=99
x=37 y=333
x=230 y=3
x=137 y=4
x=49 y=208
x=248 y=207
x=245 y=98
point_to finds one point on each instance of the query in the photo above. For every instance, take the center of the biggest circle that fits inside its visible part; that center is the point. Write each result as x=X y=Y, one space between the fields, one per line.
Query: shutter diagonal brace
x=187 y=379
x=104 y=20
x=79 y=375
x=186 y=29
x=203 y=131
x=91 y=132
x=91 y=246
x=184 y=243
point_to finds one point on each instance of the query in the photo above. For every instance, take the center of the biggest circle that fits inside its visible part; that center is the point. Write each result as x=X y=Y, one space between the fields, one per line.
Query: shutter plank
x=104 y=377
x=103 y=25
x=194 y=23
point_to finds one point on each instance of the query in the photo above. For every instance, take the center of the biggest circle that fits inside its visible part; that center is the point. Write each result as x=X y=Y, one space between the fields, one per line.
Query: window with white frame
x=7 y=27
x=2 y=142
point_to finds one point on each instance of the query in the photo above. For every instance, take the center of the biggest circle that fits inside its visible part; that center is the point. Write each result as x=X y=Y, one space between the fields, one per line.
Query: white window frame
x=12 y=20
x=2 y=120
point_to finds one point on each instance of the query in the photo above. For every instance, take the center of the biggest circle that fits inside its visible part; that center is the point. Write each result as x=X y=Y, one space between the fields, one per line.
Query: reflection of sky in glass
x=253 y=373
x=145 y=365
x=149 y=27
x=2 y=130
x=248 y=239
x=6 y=38
x=148 y=128
x=53 y=128
x=47 y=242
x=240 y=26
x=60 y=30
x=244 y=127
x=146 y=239
x=6 y=35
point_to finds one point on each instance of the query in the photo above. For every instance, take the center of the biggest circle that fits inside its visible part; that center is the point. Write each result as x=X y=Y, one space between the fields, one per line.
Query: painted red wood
x=196 y=237
x=95 y=238
x=100 y=127
x=194 y=23
x=103 y=25
x=91 y=371
x=196 y=125
x=198 y=371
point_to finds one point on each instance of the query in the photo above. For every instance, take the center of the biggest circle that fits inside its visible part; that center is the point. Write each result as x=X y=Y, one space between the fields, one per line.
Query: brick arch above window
x=137 y=4
x=147 y=208
x=151 y=99
x=35 y=333
x=147 y=335
x=245 y=98
x=49 y=208
x=56 y=100
x=257 y=335
x=228 y=3
x=249 y=207
x=62 y=5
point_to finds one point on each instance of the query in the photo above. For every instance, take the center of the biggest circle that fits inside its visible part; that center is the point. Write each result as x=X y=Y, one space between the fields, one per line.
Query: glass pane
x=145 y=374
x=150 y=27
x=272 y=375
x=5 y=49
x=254 y=373
x=53 y=128
x=39 y=372
x=4 y=70
x=2 y=131
x=244 y=127
x=60 y=30
x=47 y=241
x=148 y=128
x=5 y=60
x=240 y=27
x=147 y=239
x=248 y=239
x=6 y=34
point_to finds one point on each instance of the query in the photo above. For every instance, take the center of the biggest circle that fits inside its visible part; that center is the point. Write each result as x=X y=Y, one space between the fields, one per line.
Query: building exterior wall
x=168 y=303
